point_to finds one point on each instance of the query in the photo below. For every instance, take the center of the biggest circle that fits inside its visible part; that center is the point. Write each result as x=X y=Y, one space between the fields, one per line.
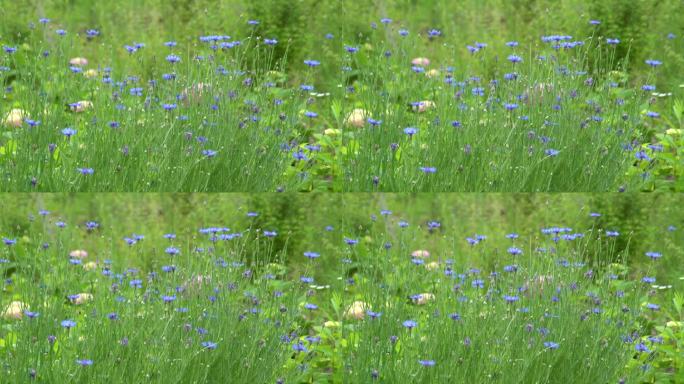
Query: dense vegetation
x=402 y=102
x=178 y=290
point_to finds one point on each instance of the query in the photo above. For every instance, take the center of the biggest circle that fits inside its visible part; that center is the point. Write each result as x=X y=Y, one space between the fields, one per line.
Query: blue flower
x=312 y=63
x=173 y=59
x=428 y=169
x=654 y=255
x=551 y=345
x=514 y=59
x=653 y=63
x=410 y=324
x=427 y=363
x=312 y=255
x=410 y=131
x=68 y=132
x=515 y=251
x=310 y=306
x=84 y=362
x=209 y=345
x=270 y=41
x=85 y=171
x=68 y=324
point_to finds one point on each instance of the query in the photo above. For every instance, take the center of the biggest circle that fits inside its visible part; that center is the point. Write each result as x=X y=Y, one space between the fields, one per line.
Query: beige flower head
x=357 y=118
x=81 y=298
x=14 y=118
x=90 y=266
x=356 y=311
x=421 y=253
x=14 y=311
x=423 y=106
x=91 y=73
x=423 y=298
x=81 y=106
x=78 y=61
x=421 y=61
x=78 y=254
x=432 y=73
x=432 y=266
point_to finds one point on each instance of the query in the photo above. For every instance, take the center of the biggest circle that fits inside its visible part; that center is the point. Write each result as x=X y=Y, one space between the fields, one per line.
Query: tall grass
x=218 y=114
x=219 y=304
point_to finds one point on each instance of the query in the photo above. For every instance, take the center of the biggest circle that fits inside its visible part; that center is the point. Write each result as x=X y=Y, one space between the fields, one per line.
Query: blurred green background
x=647 y=29
x=651 y=222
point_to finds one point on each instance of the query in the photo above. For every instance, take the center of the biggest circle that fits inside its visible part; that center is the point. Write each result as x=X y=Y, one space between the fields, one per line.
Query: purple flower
x=410 y=324
x=68 y=324
x=653 y=63
x=654 y=255
x=427 y=363
x=84 y=362
x=428 y=169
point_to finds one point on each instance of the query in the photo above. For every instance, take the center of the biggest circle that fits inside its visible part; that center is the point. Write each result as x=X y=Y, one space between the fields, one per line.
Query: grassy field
x=176 y=98
x=341 y=288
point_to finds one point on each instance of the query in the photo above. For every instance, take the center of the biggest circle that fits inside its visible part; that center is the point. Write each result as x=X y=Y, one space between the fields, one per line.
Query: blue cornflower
x=427 y=363
x=169 y=107
x=514 y=59
x=551 y=152
x=85 y=171
x=510 y=106
x=351 y=49
x=68 y=324
x=410 y=324
x=299 y=347
x=349 y=241
x=373 y=315
x=68 y=132
x=641 y=347
x=310 y=114
x=641 y=155
x=434 y=33
x=209 y=345
x=270 y=41
x=84 y=362
x=9 y=242
x=428 y=169
x=551 y=345
x=654 y=255
x=209 y=152
x=312 y=63
x=515 y=251
x=512 y=44
x=312 y=255
x=170 y=44
x=168 y=299
x=310 y=306
x=173 y=251
x=653 y=307
x=173 y=59
x=610 y=41
x=653 y=63
x=511 y=299
x=410 y=131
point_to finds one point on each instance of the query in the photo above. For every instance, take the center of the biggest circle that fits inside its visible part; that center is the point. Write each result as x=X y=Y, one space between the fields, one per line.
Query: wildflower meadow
x=390 y=108
x=235 y=288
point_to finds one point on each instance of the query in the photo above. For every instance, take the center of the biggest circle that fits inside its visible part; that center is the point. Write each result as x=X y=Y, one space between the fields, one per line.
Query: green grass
x=578 y=124
x=251 y=300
